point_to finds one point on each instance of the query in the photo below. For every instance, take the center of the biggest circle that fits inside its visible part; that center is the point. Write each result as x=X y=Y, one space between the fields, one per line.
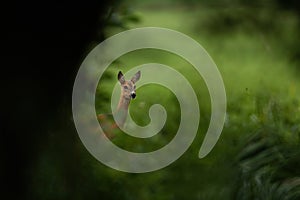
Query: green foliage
x=260 y=139
x=258 y=154
x=270 y=159
x=269 y=156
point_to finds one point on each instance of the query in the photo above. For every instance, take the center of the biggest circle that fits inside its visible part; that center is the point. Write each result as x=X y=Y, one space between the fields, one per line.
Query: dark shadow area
x=44 y=44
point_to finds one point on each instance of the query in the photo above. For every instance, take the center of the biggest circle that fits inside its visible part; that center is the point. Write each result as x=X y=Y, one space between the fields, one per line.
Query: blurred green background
x=256 y=46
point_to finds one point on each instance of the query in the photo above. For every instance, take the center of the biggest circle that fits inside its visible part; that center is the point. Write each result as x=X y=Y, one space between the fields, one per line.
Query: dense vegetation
x=255 y=47
x=258 y=154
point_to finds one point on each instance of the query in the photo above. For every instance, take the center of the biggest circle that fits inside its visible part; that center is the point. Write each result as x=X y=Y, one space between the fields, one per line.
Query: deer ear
x=136 y=77
x=121 y=77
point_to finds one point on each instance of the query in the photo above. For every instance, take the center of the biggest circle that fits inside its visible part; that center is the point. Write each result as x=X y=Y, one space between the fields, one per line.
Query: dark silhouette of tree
x=44 y=44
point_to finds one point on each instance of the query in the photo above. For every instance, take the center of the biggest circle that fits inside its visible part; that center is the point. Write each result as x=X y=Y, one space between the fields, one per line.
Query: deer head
x=128 y=87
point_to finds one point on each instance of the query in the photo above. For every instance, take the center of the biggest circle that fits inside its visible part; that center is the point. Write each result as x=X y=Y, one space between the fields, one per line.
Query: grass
x=258 y=152
x=257 y=75
x=261 y=86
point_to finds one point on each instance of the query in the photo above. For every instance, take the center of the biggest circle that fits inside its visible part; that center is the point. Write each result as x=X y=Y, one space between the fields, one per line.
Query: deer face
x=128 y=87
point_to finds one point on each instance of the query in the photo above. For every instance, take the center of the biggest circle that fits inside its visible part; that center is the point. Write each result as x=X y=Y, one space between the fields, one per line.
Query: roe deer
x=127 y=93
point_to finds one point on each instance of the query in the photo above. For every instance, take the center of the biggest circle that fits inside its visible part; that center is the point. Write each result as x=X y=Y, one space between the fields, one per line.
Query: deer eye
x=125 y=87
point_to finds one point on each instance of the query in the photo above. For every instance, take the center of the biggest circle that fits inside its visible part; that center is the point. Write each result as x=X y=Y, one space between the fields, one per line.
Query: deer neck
x=123 y=103
x=122 y=110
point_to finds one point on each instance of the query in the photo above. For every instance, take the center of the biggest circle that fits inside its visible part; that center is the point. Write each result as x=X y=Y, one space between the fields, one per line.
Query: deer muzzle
x=133 y=95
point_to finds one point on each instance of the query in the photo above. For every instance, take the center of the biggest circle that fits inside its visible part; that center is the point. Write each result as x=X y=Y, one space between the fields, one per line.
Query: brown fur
x=127 y=93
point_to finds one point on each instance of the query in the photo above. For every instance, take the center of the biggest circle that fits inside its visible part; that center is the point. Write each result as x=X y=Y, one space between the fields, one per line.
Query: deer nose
x=133 y=95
